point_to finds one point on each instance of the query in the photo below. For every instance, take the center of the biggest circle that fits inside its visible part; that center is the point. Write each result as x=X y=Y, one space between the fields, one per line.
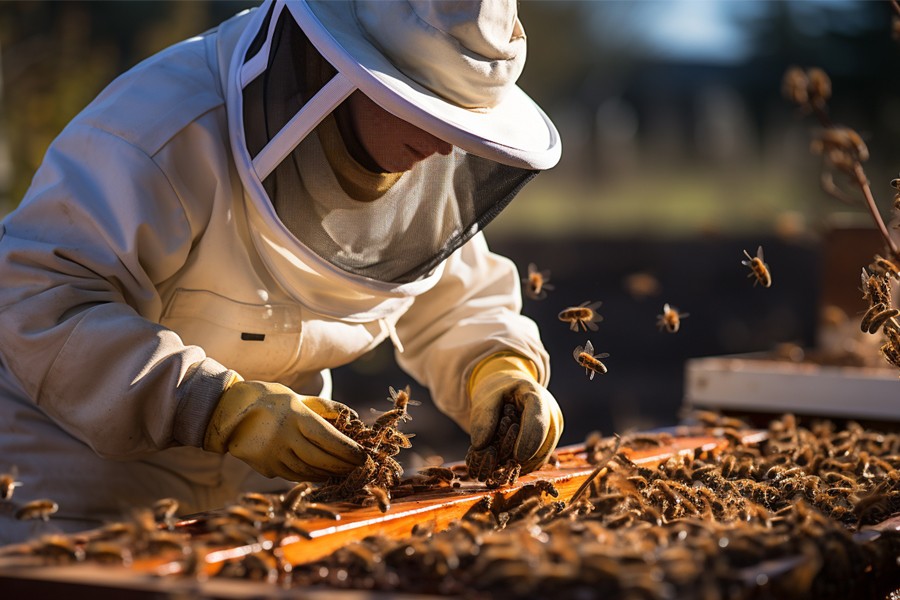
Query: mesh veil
x=428 y=213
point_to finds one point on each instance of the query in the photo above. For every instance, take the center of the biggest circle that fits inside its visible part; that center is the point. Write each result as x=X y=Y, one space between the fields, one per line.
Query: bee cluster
x=382 y=441
x=495 y=464
x=796 y=516
x=881 y=316
x=800 y=515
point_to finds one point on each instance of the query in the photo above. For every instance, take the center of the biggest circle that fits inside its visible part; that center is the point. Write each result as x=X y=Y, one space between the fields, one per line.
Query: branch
x=873 y=209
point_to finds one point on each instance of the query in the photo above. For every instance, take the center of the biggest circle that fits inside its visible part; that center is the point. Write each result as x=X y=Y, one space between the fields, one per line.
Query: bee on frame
x=758 y=268
x=670 y=319
x=585 y=357
x=37 y=509
x=585 y=314
x=536 y=283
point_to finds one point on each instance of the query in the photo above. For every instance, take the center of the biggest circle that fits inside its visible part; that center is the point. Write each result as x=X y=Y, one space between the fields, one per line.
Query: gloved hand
x=281 y=433
x=542 y=421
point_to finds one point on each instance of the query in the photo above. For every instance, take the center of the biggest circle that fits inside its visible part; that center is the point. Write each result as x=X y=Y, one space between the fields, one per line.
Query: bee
x=295 y=498
x=758 y=268
x=438 y=474
x=670 y=319
x=8 y=483
x=381 y=496
x=875 y=288
x=642 y=285
x=109 y=552
x=536 y=283
x=401 y=399
x=874 y=320
x=885 y=266
x=584 y=314
x=399 y=413
x=260 y=503
x=37 y=509
x=585 y=357
x=164 y=511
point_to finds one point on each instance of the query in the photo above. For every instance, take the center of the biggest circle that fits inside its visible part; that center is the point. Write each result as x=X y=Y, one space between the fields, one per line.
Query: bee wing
x=589 y=347
x=595 y=305
x=591 y=325
x=590 y=374
x=577 y=352
x=602 y=355
x=683 y=315
x=532 y=268
x=759 y=253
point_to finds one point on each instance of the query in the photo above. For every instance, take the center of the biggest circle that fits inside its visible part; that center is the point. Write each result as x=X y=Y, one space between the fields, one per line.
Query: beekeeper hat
x=446 y=66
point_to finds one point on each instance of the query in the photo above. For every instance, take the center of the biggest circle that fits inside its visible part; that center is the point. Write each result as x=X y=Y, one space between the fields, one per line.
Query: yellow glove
x=281 y=433
x=542 y=420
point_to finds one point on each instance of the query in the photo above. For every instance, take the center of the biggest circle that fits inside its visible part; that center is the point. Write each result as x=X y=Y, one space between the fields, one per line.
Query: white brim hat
x=513 y=130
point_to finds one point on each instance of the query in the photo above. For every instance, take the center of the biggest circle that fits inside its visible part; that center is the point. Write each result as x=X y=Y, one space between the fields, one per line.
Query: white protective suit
x=139 y=269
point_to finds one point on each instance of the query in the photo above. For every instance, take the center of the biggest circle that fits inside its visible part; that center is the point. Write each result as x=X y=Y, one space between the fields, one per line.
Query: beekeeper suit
x=200 y=246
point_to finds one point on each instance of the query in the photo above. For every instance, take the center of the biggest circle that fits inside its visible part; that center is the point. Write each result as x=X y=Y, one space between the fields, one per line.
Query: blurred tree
x=58 y=55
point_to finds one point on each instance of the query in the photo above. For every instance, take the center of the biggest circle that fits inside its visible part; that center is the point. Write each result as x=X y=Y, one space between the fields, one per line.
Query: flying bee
x=758 y=268
x=8 y=483
x=585 y=357
x=670 y=319
x=536 y=283
x=37 y=509
x=584 y=314
x=401 y=399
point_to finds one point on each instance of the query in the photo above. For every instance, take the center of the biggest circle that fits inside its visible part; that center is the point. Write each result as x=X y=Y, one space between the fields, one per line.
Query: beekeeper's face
x=393 y=144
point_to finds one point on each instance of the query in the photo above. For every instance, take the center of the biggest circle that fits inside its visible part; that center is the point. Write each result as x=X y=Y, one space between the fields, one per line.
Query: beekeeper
x=247 y=209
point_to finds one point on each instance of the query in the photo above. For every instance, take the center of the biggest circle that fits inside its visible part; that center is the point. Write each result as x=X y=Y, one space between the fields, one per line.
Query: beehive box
x=760 y=383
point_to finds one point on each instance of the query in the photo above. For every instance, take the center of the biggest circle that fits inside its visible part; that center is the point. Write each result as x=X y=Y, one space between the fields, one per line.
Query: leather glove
x=281 y=433
x=541 y=422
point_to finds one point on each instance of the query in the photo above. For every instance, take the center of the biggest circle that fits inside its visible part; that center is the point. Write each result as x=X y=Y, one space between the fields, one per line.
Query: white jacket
x=129 y=275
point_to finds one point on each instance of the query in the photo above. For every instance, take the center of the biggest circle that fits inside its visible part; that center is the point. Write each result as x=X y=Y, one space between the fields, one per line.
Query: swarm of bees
x=881 y=316
x=382 y=441
x=798 y=515
x=495 y=463
x=769 y=519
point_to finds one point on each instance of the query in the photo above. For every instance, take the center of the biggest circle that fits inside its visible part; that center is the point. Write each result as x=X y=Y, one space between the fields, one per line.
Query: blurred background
x=679 y=154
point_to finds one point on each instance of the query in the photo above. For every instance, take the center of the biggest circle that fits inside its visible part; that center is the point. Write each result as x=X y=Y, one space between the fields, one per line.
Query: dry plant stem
x=873 y=209
x=862 y=180
x=601 y=464
x=833 y=190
